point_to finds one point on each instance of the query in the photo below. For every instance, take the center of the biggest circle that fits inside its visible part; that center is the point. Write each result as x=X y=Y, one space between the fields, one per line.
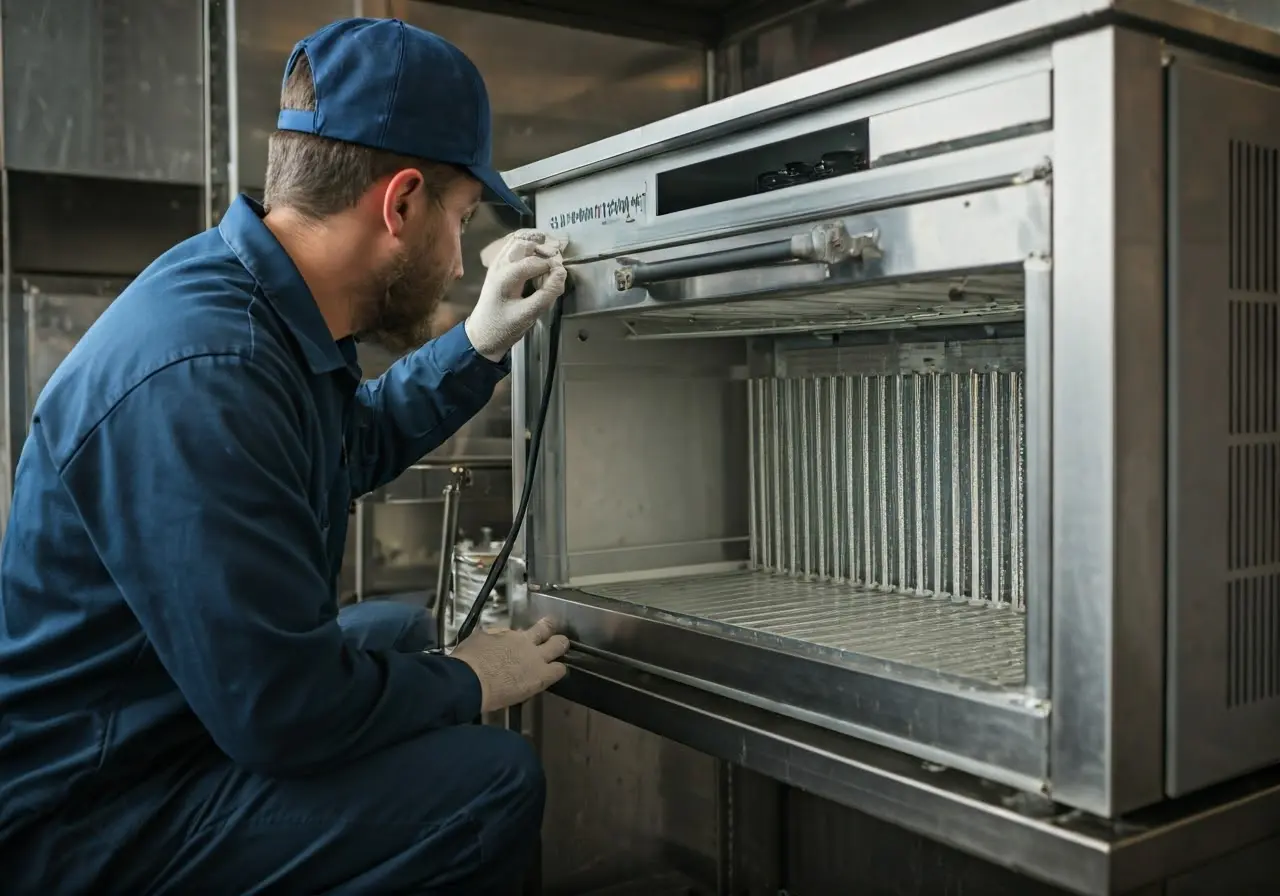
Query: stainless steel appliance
x=919 y=414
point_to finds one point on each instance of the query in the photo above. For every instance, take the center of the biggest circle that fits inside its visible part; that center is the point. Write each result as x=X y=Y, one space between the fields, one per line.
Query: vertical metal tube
x=233 y=101
x=789 y=467
x=975 y=489
x=884 y=573
x=938 y=588
x=453 y=528
x=1016 y=510
x=868 y=538
x=993 y=446
x=821 y=507
x=450 y=612
x=833 y=503
x=918 y=540
x=806 y=514
x=443 y=568
x=850 y=495
x=448 y=537
x=957 y=574
x=764 y=464
x=776 y=474
x=753 y=480
x=900 y=479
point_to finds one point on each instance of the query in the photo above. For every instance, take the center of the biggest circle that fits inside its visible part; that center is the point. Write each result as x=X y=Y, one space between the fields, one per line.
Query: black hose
x=531 y=465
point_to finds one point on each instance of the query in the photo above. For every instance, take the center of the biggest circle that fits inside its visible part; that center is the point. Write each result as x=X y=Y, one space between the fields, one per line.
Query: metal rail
x=1026 y=834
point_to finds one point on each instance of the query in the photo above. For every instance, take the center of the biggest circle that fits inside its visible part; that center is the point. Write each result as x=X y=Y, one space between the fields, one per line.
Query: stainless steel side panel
x=1224 y=438
x=1027 y=835
x=1108 y=422
x=995 y=734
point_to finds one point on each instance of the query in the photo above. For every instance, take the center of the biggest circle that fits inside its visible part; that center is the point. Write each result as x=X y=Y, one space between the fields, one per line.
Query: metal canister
x=471 y=564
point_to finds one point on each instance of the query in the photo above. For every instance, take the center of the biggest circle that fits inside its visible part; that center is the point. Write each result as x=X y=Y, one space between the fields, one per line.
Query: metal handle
x=830 y=243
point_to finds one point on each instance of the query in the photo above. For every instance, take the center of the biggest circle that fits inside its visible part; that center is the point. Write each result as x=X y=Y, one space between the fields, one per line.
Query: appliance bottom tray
x=983 y=643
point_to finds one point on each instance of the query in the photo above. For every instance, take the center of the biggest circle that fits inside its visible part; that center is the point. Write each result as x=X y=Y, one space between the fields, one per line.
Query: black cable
x=531 y=465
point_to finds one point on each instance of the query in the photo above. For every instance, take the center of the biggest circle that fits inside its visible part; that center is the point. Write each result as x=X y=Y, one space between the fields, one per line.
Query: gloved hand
x=513 y=666
x=501 y=316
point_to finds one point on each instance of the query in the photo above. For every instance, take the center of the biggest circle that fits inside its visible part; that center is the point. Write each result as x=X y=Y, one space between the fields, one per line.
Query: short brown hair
x=316 y=176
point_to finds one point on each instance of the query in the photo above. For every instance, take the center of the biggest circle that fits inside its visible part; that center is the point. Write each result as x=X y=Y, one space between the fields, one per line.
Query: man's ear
x=401 y=191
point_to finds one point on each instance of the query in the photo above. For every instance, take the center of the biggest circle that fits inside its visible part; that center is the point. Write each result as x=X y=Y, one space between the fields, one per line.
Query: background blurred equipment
x=472 y=562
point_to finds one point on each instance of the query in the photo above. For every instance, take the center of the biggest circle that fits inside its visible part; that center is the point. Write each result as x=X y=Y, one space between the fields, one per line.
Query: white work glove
x=502 y=316
x=513 y=666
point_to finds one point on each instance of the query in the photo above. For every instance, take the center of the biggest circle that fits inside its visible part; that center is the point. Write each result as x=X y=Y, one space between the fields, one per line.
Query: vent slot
x=1255 y=217
x=1253 y=640
x=1254 y=358
x=1253 y=451
x=1253 y=507
x=831 y=152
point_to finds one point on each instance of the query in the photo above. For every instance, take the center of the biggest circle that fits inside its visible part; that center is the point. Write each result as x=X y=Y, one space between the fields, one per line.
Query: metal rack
x=830 y=621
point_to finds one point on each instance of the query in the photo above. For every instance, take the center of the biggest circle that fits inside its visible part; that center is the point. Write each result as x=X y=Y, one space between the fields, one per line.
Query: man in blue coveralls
x=182 y=707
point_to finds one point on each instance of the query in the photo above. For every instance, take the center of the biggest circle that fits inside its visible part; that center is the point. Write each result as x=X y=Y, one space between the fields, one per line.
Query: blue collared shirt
x=168 y=577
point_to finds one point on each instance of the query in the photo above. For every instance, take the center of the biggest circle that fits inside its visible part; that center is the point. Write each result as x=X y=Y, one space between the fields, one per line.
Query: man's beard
x=406 y=297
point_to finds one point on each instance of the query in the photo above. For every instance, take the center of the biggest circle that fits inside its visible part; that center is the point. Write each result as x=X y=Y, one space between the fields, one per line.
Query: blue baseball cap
x=385 y=84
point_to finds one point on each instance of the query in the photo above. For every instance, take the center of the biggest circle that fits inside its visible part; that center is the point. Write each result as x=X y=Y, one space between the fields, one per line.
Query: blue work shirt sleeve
x=413 y=408
x=195 y=491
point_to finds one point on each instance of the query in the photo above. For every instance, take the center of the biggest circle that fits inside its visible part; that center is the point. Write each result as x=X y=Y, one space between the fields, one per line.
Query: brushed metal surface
x=979 y=642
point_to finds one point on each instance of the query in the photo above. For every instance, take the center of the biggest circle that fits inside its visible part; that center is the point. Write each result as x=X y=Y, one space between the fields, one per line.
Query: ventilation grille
x=1255 y=217
x=909 y=482
x=1253 y=452
x=1253 y=639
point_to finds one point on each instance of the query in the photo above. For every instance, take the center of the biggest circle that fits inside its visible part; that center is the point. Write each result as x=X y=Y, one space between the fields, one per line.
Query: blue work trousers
x=454 y=811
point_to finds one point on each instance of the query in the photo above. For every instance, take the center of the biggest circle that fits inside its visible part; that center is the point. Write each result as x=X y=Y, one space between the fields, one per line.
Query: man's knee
x=510 y=807
x=454 y=811
x=388 y=625
x=498 y=791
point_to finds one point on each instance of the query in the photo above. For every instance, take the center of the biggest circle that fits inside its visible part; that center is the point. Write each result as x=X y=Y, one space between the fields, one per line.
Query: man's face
x=427 y=260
